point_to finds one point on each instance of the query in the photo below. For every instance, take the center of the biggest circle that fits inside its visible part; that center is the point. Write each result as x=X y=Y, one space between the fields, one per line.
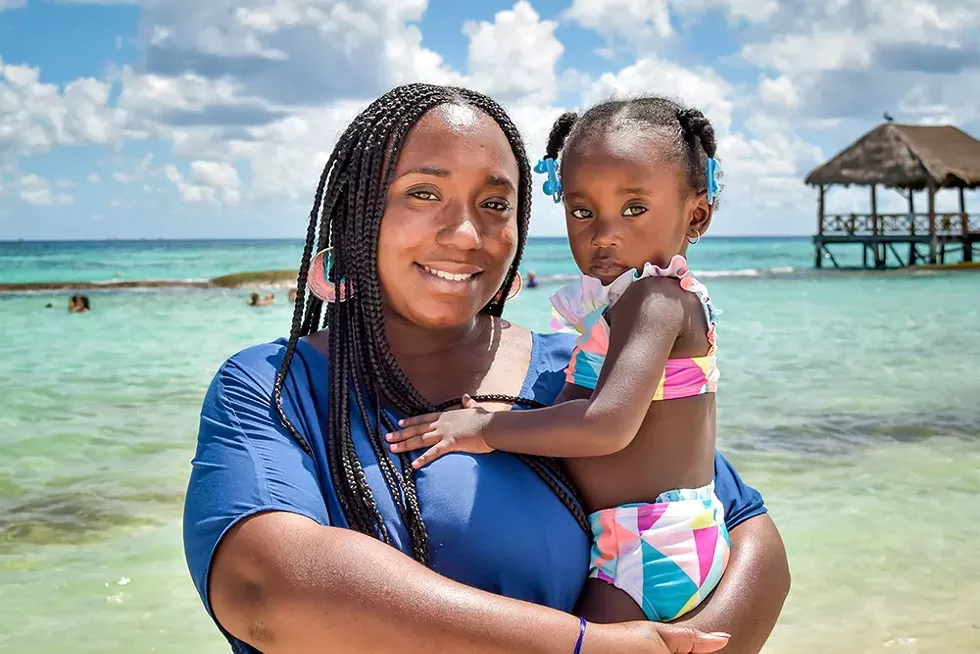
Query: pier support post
x=880 y=255
x=965 y=230
x=932 y=221
x=818 y=242
x=912 y=250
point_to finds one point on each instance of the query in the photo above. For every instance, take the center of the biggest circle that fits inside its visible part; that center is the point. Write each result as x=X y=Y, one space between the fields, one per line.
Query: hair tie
x=551 y=186
x=711 y=172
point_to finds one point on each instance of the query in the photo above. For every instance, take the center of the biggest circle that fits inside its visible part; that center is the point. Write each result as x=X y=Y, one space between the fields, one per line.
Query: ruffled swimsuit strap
x=678 y=268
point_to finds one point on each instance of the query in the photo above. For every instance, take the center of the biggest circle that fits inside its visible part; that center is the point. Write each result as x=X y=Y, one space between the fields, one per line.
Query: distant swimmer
x=78 y=304
x=255 y=300
x=532 y=279
x=292 y=295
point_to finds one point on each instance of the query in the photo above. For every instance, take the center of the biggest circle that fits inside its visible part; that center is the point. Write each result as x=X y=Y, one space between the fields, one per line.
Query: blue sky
x=190 y=119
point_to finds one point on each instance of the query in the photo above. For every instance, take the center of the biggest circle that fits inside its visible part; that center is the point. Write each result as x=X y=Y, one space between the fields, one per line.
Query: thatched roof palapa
x=905 y=156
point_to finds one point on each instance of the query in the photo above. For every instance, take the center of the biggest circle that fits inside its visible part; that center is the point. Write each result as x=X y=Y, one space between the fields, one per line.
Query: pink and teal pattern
x=580 y=307
x=668 y=556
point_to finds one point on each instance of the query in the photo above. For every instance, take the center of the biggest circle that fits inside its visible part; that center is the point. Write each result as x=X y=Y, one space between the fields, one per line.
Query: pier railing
x=895 y=224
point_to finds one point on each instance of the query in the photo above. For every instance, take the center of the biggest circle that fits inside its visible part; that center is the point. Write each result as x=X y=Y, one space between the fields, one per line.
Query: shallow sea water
x=852 y=402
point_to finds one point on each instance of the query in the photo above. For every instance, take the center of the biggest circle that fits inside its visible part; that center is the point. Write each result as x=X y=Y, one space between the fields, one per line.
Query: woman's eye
x=581 y=214
x=634 y=211
x=497 y=205
x=424 y=195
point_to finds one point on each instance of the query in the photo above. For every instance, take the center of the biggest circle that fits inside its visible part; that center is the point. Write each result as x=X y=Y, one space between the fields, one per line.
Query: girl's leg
x=601 y=602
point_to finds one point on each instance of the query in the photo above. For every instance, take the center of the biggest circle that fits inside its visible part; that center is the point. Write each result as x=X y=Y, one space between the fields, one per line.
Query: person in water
x=635 y=422
x=532 y=279
x=78 y=304
x=255 y=300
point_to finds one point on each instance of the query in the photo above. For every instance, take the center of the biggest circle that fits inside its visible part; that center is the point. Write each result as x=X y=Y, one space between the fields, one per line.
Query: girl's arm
x=646 y=322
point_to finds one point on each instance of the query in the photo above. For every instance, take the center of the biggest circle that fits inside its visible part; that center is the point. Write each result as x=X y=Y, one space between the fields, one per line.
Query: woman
x=302 y=534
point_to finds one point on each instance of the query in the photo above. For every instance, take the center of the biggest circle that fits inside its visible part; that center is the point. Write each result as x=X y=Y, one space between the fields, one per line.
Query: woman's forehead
x=449 y=132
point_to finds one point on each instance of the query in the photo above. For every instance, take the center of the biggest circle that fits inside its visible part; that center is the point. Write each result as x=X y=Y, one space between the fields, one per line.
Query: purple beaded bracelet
x=581 y=636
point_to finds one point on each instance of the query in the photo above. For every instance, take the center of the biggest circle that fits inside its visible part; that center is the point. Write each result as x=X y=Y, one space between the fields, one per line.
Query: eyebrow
x=491 y=180
x=501 y=182
x=632 y=190
x=428 y=170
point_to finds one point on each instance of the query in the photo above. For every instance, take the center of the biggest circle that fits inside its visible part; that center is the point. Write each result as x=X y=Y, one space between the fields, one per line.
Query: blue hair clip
x=711 y=172
x=552 y=186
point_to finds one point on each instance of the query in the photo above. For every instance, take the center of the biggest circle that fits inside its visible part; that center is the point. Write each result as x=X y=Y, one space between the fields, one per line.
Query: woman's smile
x=447 y=277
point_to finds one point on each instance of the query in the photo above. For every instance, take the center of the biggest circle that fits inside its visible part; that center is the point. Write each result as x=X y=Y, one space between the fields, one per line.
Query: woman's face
x=449 y=230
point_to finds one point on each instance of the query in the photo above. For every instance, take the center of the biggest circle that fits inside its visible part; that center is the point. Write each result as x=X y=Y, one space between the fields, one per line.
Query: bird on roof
x=889 y=118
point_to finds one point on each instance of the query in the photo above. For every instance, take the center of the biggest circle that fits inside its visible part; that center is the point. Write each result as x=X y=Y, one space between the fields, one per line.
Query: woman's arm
x=751 y=593
x=285 y=584
x=647 y=321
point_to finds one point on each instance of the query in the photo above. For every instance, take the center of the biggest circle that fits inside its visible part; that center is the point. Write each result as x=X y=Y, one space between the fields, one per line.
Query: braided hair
x=346 y=215
x=689 y=134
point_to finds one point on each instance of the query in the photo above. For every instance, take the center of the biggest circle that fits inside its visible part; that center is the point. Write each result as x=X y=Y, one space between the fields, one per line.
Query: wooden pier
x=906 y=159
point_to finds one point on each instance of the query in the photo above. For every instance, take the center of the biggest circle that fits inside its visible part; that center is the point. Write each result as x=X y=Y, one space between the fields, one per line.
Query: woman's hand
x=442 y=433
x=650 y=638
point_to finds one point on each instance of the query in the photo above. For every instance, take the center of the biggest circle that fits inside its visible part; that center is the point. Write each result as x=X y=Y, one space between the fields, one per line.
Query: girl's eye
x=582 y=214
x=496 y=205
x=634 y=211
x=424 y=195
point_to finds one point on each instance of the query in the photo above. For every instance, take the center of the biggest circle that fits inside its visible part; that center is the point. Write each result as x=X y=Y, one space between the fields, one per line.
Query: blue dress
x=247 y=463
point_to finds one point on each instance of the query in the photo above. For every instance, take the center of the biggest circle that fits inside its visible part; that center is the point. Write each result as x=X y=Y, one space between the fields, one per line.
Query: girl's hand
x=452 y=431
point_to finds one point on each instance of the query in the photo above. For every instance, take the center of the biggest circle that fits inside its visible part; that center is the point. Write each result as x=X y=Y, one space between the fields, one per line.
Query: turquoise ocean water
x=852 y=401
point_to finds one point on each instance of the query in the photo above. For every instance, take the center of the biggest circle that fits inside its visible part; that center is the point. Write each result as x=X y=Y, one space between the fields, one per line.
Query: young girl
x=636 y=420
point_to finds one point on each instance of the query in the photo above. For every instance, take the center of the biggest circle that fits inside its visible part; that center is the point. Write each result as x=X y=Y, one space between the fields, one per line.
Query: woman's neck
x=408 y=340
x=443 y=364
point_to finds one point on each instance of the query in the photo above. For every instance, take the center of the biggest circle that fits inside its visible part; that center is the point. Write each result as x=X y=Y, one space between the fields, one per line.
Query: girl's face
x=627 y=202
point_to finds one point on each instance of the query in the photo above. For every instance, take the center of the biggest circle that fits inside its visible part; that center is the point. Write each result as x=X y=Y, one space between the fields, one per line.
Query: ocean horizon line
x=277 y=239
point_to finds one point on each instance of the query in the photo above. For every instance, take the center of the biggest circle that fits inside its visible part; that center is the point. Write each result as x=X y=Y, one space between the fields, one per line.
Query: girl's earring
x=696 y=240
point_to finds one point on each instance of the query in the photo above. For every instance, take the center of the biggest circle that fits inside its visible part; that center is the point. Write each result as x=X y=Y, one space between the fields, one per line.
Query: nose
x=604 y=234
x=461 y=229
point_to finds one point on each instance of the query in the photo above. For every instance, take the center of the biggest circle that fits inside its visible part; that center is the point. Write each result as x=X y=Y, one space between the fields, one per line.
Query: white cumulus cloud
x=37 y=191
x=514 y=57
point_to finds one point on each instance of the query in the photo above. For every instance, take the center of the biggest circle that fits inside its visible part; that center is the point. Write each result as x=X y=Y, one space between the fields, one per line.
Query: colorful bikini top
x=581 y=307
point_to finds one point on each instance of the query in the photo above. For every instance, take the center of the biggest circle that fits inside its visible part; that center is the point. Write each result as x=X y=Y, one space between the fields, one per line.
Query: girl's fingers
x=415 y=442
x=431 y=454
x=419 y=420
x=409 y=432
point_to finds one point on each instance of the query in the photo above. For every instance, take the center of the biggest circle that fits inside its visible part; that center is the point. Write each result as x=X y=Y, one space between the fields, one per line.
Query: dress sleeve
x=741 y=501
x=246 y=463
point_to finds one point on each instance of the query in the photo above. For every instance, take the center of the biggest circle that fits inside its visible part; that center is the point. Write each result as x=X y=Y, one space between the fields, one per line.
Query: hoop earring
x=515 y=288
x=319 y=282
x=695 y=241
